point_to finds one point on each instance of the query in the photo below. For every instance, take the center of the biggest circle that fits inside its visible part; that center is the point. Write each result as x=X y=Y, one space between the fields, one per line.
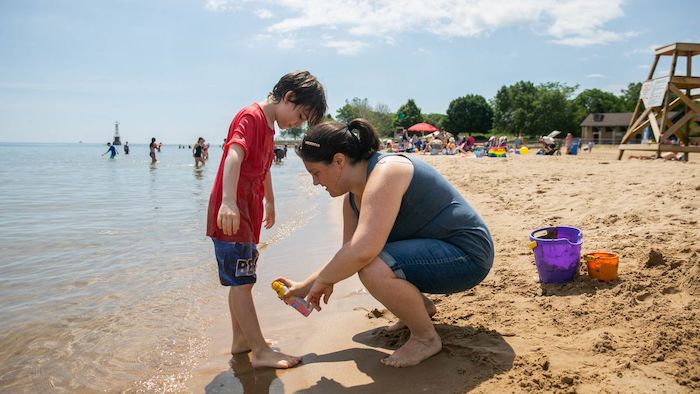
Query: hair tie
x=354 y=132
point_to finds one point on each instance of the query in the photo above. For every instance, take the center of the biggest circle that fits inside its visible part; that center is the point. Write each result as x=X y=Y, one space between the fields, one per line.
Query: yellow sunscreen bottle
x=297 y=303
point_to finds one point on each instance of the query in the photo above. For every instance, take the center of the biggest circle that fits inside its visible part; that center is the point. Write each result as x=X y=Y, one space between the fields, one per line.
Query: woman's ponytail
x=367 y=139
x=358 y=140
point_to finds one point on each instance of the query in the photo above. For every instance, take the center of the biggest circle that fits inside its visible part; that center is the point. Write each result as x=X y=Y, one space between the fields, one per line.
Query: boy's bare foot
x=273 y=359
x=429 y=307
x=413 y=352
x=243 y=347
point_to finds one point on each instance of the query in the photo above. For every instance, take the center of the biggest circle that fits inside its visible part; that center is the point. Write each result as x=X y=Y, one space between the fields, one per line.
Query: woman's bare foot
x=429 y=307
x=273 y=359
x=241 y=346
x=413 y=352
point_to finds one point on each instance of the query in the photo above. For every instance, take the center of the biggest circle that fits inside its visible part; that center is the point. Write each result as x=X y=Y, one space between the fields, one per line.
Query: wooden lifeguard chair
x=662 y=96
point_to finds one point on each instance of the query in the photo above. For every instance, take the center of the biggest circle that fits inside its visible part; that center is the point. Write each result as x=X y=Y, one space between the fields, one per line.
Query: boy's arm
x=228 y=219
x=269 y=202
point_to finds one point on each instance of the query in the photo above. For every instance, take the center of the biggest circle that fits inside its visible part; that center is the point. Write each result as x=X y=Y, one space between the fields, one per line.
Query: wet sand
x=637 y=333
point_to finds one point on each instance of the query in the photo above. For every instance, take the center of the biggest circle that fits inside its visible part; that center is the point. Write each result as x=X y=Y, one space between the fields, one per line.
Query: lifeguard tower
x=661 y=96
x=117 y=141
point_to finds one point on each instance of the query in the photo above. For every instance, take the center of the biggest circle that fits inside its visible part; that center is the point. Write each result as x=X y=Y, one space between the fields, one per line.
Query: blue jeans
x=434 y=266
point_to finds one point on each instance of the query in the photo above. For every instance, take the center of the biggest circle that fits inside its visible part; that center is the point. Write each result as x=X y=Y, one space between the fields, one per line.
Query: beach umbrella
x=423 y=128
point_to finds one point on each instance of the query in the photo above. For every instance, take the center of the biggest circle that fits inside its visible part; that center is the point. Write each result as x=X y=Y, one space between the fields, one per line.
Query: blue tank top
x=432 y=208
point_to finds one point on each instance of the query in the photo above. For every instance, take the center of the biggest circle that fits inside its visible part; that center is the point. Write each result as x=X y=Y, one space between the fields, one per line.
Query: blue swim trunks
x=237 y=262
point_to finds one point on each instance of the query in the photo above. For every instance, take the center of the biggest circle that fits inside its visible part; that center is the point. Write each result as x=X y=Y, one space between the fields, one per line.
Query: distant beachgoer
x=285 y=150
x=518 y=142
x=152 y=148
x=568 y=142
x=205 y=150
x=224 y=145
x=396 y=253
x=590 y=146
x=126 y=148
x=197 y=152
x=111 y=150
x=492 y=142
x=278 y=154
x=470 y=142
x=436 y=146
x=236 y=214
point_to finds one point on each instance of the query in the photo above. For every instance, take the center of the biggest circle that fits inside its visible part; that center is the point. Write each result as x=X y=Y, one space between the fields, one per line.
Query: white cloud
x=648 y=51
x=595 y=75
x=566 y=22
x=221 y=5
x=345 y=47
x=421 y=51
x=264 y=13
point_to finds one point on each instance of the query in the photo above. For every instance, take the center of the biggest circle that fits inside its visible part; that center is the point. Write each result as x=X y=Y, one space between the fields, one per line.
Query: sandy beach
x=638 y=333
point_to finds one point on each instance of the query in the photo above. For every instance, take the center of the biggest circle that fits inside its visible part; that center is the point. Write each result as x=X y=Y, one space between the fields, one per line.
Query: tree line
x=522 y=108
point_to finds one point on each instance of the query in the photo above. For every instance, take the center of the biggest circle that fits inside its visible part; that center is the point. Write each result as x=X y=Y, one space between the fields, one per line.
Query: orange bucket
x=602 y=265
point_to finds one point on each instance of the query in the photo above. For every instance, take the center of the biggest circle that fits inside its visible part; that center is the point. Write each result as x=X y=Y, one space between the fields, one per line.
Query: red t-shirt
x=248 y=129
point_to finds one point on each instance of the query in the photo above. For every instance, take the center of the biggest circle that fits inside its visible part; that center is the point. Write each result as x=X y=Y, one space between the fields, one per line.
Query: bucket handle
x=532 y=245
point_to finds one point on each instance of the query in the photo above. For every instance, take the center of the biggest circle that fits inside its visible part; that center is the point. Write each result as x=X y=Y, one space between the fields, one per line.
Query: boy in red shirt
x=236 y=203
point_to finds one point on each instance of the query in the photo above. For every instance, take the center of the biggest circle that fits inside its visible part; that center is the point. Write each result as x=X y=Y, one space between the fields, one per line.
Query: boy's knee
x=240 y=289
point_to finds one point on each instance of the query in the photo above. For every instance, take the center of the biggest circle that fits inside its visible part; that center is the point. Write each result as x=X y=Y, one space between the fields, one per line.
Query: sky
x=180 y=69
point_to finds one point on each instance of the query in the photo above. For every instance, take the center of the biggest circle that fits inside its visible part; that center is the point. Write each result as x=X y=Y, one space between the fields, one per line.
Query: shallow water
x=105 y=270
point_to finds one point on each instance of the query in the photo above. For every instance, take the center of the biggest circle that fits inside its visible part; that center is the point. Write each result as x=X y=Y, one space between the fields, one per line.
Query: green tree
x=437 y=120
x=408 y=114
x=383 y=120
x=514 y=111
x=294 y=132
x=629 y=97
x=524 y=108
x=356 y=108
x=379 y=115
x=471 y=113
x=556 y=112
x=594 y=101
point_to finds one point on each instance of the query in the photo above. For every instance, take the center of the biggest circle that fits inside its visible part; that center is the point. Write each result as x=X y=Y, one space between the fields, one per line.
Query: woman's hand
x=295 y=289
x=319 y=289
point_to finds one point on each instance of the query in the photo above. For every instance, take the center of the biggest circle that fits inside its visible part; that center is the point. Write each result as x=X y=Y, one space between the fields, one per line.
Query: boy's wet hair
x=307 y=92
x=357 y=140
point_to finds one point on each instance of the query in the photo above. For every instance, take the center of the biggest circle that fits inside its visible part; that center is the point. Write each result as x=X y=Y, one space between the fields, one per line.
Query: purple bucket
x=557 y=253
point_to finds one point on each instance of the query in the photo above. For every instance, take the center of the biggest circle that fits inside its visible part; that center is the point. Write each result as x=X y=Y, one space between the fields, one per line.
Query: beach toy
x=496 y=152
x=297 y=303
x=557 y=253
x=602 y=265
x=524 y=150
x=478 y=153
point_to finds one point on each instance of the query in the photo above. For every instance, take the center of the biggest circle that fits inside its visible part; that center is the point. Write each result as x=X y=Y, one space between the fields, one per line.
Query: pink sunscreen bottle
x=297 y=303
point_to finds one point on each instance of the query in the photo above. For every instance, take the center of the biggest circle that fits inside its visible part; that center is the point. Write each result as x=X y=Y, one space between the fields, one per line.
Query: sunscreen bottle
x=297 y=303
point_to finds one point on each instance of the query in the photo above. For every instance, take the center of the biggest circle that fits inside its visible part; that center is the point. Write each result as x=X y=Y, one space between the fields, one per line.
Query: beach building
x=605 y=128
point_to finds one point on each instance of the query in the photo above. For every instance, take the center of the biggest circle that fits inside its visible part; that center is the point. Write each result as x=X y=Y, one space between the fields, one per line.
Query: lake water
x=106 y=275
